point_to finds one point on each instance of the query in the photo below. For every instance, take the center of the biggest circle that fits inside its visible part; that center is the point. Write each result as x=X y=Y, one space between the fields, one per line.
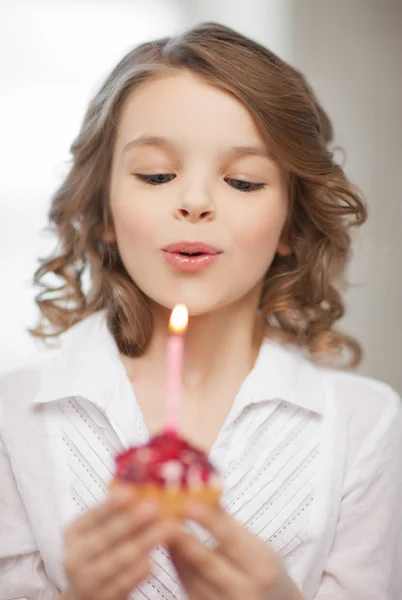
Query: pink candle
x=174 y=366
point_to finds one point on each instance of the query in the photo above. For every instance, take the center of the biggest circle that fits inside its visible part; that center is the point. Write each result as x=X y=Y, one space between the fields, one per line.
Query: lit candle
x=174 y=365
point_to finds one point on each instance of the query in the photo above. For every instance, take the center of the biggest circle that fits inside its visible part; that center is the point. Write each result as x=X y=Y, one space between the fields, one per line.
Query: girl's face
x=191 y=174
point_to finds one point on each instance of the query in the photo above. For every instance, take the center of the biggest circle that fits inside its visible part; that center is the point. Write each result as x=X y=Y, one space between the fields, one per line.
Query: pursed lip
x=191 y=256
x=192 y=248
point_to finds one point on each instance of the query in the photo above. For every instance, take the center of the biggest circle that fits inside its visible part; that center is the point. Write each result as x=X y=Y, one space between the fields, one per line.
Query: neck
x=219 y=345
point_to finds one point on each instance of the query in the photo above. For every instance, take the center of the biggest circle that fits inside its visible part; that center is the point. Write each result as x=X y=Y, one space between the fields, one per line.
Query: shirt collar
x=89 y=366
x=282 y=372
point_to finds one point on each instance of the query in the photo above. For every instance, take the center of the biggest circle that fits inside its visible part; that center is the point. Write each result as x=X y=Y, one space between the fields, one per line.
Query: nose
x=195 y=206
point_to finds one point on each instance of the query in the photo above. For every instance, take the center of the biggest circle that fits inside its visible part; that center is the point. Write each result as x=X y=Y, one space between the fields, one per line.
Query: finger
x=93 y=576
x=125 y=525
x=194 y=584
x=119 y=501
x=211 y=565
x=119 y=528
x=234 y=541
x=134 y=551
x=121 y=586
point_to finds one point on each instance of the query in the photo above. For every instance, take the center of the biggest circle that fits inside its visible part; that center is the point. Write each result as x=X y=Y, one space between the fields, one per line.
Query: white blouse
x=311 y=460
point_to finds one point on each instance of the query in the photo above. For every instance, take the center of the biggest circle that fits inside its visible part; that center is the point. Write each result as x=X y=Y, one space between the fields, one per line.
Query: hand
x=107 y=548
x=242 y=566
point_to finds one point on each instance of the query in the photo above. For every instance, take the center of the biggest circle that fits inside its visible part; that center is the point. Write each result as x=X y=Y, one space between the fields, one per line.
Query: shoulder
x=82 y=340
x=20 y=385
x=362 y=397
x=286 y=371
x=370 y=412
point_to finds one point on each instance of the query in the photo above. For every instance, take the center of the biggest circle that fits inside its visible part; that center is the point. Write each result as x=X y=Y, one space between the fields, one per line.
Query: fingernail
x=195 y=511
x=122 y=494
x=192 y=508
x=148 y=509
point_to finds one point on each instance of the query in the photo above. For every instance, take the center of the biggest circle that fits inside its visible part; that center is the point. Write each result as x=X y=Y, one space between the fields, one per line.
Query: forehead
x=189 y=110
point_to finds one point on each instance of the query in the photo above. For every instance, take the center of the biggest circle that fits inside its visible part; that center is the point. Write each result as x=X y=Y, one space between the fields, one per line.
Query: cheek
x=133 y=221
x=260 y=235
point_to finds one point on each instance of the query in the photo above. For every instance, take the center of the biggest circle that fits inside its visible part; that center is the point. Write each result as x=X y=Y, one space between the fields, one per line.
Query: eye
x=244 y=186
x=155 y=179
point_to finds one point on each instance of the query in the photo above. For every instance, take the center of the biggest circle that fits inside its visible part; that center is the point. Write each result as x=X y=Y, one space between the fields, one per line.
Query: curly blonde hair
x=301 y=298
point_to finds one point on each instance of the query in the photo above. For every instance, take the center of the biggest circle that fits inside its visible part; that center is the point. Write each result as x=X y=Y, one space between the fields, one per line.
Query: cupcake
x=170 y=470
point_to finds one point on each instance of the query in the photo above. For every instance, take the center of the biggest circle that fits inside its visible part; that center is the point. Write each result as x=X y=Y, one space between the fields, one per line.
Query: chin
x=195 y=308
x=197 y=304
x=200 y=297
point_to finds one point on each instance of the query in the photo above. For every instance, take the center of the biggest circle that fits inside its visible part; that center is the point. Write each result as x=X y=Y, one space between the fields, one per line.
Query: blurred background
x=55 y=53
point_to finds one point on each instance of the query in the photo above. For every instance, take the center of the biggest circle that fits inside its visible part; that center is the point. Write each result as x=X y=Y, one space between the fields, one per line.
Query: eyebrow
x=149 y=140
x=164 y=143
x=239 y=151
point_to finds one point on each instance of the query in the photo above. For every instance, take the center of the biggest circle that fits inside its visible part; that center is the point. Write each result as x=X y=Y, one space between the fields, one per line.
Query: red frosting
x=165 y=459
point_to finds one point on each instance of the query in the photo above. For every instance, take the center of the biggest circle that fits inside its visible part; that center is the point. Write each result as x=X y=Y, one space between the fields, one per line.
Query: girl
x=201 y=175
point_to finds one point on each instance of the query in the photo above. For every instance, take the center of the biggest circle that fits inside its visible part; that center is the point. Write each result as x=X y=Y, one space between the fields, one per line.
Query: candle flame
x=178 y=319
